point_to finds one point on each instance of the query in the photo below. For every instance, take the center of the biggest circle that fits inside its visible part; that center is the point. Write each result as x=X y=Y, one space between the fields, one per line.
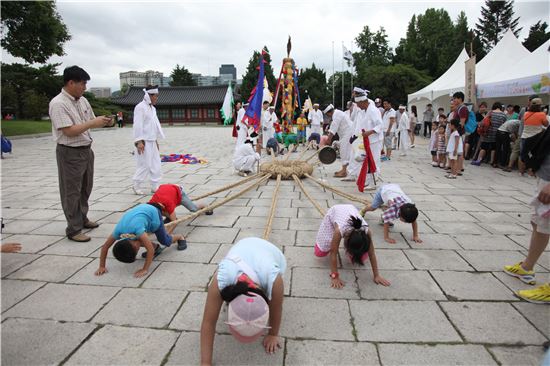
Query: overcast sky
x=110 y=37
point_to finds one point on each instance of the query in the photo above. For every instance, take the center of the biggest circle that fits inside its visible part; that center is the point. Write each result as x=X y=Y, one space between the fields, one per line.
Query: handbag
x=484 y=126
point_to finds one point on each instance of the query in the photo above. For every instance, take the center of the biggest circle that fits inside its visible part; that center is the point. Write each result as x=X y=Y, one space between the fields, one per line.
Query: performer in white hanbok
x=245 y=158
x=264 y=125
x=404 y=128
x=315 y=118
x=340 y=124
x=147 y=131
x=369 y=123
x=242 y=127
x=269 y=128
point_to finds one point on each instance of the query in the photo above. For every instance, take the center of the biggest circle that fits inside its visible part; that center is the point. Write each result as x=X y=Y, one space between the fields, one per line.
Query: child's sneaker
x=158 y=250
x=435 y=164
x=517 y=270
x=539 y=295
x=182 y=244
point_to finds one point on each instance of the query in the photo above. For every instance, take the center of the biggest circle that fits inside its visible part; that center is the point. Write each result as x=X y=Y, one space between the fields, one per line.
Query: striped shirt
x=65 y=111
x=497 y=119
x=392 y=212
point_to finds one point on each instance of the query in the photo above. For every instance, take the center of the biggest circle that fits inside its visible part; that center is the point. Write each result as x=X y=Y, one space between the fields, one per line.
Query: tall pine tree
x=250 y=78
x=496 y=18
x=537 y=36
x=314 y=80
x=182 y=77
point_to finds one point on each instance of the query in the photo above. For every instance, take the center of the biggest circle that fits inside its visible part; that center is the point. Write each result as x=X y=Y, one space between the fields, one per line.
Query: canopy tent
x=531 y=75
x=502 y=58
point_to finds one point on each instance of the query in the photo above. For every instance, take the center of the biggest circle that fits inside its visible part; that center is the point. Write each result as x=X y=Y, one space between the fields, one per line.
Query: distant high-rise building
x=228 y=69
x=149 y=77
x=101 y=92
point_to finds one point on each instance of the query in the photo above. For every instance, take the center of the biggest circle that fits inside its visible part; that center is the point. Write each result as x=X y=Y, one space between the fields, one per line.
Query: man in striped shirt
x=72 y=118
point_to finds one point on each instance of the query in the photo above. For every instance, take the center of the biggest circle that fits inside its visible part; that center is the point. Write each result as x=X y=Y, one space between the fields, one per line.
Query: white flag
x=347 y=55
x=267 y=94
x=227 y=107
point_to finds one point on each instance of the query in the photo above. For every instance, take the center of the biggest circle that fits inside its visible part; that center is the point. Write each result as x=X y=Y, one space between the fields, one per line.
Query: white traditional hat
x=329 y=108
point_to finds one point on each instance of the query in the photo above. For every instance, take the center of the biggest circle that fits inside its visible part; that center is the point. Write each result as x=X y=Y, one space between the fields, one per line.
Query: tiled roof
x=177 y=95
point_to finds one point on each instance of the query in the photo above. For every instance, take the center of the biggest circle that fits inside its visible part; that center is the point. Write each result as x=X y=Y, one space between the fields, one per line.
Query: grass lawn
x=25 y=127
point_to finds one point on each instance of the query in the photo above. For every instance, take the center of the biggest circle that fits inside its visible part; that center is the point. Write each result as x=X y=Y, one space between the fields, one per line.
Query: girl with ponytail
x=345 y=222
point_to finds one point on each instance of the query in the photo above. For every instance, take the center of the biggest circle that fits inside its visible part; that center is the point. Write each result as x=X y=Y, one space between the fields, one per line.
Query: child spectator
x=345 y=222
x=278 y=131
x=132 y=233
x=488 y=142
x=454 y=148
x=301 y=124
x=169 y=196
x=272 y=145
x=397 y=205
x=441 y=146
x=433 y=145
x=250 y=280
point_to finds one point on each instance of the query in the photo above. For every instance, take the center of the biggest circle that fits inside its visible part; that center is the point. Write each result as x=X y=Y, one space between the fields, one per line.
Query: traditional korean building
x=180 y=104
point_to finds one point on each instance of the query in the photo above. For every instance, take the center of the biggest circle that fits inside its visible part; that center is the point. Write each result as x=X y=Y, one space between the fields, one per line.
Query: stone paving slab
x=439 y=354
x=383 y=321
x=434 y=241
x=437 y=259
x=387 y=259
x=538 y=315
x=68 y=247
x=119 y=274
x=155 y=308
x=34 y=243
x=306 y=352
x=41 y=269
x=315 y=282
x=405 y=285
x=80 y=303
x=309 y=318
x=122 y=343
x=486 y=242
x=496 y=323
x=206 y=235
x=227 y=351
x=195 y=253
x=472 y=286
x=180 y=276
x=13 y=261
x=46 y=342
x=514 y=356
x=14 y=291
x=486 y=261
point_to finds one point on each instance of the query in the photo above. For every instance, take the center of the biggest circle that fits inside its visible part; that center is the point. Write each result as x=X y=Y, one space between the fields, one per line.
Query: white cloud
x=112 y=37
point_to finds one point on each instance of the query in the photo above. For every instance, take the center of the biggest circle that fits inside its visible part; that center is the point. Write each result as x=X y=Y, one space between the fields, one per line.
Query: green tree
x=312 y=82
x=431 y=42
x=496 y=18
x=250 y=77
x=36 y=104
x=33 y=30
x=373 y=48
x=537 y=36
x=182 y=77
x=394 y=81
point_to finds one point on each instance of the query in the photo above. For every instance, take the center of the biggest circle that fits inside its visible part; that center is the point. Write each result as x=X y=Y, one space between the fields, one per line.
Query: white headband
x=151 y=91
x=361 y=98
x=329 y=108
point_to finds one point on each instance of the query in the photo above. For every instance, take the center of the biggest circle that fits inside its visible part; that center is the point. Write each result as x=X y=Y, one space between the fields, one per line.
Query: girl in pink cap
x=250 y=280
x=345 y=222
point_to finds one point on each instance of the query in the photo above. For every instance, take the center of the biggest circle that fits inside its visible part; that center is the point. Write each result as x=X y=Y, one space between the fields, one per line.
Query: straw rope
x=226 y=187
x=313 y=202
x=263 y=179
x=337 y=191
x=267 y=230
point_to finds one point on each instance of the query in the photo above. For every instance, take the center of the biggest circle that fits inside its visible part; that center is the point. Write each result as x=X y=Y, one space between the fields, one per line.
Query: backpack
x=6 y=145
x=471 y=123
x=536 y=149
x=484 y=125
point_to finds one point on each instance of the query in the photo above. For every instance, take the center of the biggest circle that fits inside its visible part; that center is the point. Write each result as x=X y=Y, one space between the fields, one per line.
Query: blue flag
x=253 y=113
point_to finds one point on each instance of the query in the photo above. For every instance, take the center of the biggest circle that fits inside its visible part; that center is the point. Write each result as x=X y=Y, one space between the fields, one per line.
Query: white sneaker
x=138 y=191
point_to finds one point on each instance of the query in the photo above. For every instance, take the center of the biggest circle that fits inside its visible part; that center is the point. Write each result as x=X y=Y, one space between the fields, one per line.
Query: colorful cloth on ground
x=181 y=158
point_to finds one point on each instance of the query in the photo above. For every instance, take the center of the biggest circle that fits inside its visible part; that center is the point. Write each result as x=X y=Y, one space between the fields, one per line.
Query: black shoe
x=209 y=212
x=158 y=250
x=167 y=220
x=182 y=244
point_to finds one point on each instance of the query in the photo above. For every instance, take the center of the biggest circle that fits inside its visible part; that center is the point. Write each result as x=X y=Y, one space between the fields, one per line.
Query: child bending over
x=345 y=222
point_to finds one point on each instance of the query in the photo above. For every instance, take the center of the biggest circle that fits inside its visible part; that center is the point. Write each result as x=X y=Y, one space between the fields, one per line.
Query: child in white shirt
x=454 y=148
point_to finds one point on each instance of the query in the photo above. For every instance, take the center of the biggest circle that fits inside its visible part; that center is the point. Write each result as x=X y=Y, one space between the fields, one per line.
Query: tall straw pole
x=343 y=108
x=333 y=73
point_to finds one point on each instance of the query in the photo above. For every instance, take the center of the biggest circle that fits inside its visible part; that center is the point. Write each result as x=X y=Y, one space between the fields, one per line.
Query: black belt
x=76 y=147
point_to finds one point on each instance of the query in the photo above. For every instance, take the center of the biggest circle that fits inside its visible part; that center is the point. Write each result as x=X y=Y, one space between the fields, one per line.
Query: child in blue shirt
x=131 y=233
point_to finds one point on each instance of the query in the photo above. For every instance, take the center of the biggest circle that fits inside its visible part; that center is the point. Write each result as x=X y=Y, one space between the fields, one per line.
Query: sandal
x=182 y=244
x=450 y=176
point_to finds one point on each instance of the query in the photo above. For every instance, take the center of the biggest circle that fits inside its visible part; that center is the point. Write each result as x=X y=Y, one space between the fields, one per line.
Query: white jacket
x=146 y=123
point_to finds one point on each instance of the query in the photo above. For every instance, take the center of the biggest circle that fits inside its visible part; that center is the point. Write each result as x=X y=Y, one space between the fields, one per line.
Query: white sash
x=245 y=268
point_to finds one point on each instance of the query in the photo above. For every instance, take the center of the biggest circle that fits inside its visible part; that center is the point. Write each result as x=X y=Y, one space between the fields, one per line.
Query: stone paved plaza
x=449 y=302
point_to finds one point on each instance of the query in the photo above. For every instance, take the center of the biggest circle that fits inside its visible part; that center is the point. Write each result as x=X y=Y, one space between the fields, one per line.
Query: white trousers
x=246 y=163
x=241 y=136
x=315 y=129
x=404 y=141
x=266 y=135
x=148 y=164
x=345 y=149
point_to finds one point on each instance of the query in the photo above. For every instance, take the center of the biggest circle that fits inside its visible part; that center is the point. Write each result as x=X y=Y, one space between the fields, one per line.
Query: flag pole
x=343 y=74
x=333 y=73
x=351 y=70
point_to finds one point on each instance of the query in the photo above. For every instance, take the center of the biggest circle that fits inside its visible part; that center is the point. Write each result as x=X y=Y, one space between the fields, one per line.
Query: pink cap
x=247 y=317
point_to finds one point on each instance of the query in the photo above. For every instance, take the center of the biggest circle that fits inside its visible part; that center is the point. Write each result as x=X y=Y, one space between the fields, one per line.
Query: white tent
x=531 y=75
x=503 y=57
